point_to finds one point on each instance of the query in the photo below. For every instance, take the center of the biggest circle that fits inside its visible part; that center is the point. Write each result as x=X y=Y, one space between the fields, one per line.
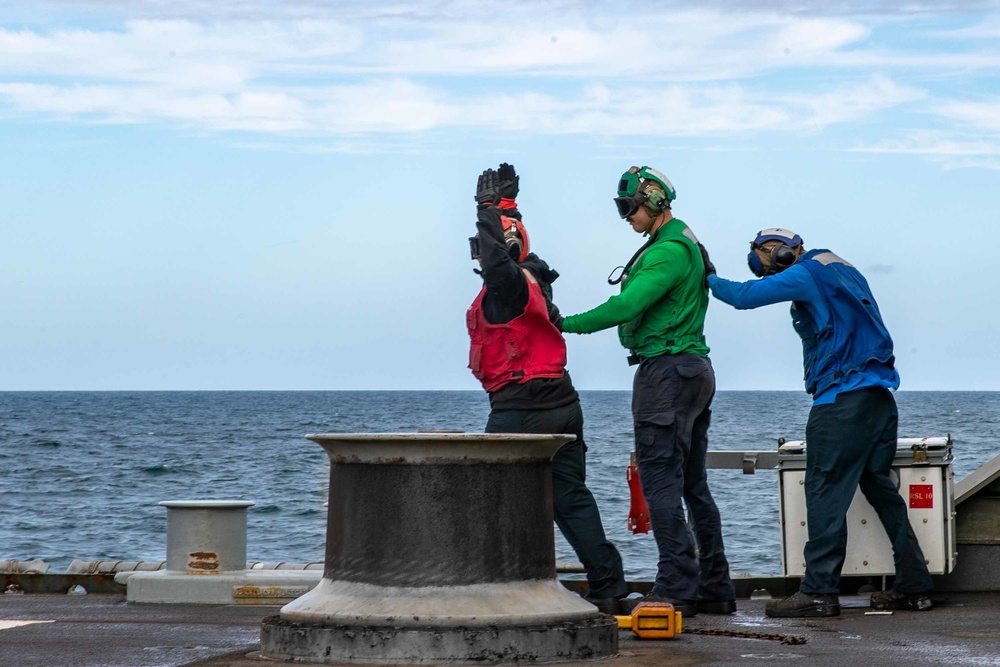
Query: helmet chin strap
x=653 y=221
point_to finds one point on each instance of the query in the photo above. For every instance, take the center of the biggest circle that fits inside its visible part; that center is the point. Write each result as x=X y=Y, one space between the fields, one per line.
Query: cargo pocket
x=654 y=393
x=654 y=445
x=475 y=357
x=692 y=369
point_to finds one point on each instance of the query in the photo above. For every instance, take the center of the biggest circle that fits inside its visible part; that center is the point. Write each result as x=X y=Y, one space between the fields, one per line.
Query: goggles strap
x=629 y=263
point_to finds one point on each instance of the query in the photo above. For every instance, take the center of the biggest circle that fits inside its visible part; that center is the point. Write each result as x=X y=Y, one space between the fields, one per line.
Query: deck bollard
x=439 y=549
x=207 y=561
x=206 y=536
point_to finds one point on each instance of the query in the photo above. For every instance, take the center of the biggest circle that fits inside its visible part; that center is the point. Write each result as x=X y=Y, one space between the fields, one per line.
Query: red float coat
x=527 y=347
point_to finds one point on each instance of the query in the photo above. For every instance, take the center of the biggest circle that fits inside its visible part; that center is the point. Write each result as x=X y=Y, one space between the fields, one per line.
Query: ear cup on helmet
x=784 y=252
x=782 y=257
x=655 y=199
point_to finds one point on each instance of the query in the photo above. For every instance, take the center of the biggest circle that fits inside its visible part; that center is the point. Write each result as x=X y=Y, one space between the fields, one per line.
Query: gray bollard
x=209 y=537
x=206 y=536
x=440 y=549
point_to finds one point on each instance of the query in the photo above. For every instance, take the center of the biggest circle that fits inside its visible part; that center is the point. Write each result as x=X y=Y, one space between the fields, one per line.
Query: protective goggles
x=753 y=261
x=627 y=206
x=515 y=249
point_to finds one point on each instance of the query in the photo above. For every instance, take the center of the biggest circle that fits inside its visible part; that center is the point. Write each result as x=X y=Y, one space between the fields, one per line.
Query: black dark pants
x=574 y=506
x=852 y=442
x=671 y=404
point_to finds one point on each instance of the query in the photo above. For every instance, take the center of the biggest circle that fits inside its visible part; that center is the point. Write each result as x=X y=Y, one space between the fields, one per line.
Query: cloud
x=403 y=106
x=344 y=72
x=988 y=29
x=933 y=143
x=969 y=163
x=486 y=10
x=983 y=115
x=256 y=111
x=881 y=269
x=699 y=46
x=855 y=7
x=851 y=103
x=948 y=149
x=178 y=54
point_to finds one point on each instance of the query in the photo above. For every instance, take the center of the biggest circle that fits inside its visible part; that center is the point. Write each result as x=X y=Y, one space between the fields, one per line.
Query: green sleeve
x=662 y=268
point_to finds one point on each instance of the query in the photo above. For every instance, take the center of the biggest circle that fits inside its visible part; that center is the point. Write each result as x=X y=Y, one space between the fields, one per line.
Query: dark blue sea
x=81 y=473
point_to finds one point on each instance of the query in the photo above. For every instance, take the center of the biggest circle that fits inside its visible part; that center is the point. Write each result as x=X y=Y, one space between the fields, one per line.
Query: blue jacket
x=855 y=334
x=845 y=344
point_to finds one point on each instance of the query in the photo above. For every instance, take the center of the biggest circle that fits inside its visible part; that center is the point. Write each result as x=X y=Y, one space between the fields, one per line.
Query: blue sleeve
x=793 y=284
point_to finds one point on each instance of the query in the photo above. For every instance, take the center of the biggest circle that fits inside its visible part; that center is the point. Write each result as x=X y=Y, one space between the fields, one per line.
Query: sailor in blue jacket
x=851 y=432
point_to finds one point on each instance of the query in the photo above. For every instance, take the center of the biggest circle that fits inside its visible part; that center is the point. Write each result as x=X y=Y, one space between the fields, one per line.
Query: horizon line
x=415 y=391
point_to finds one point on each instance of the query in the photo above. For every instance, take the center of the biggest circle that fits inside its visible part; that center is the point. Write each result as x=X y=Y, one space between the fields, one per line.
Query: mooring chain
x=746 y=634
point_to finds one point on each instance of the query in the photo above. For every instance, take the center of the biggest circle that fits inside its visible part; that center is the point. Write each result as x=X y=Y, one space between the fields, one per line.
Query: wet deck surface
x=104 y=631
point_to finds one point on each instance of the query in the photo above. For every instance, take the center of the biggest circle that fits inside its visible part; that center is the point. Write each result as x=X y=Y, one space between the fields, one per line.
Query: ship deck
x=105 y=631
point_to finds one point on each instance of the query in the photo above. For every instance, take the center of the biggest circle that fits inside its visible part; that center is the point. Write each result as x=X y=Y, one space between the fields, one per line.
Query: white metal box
x=922 y=472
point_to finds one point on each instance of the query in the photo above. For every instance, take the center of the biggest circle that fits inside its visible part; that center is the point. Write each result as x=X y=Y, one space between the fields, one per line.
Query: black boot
x=687 y=608
x=610 y=606
x=803 y=605
x=893 y=600
x=716 y=606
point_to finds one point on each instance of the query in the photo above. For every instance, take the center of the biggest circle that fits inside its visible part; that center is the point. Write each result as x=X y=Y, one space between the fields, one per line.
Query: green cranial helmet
x=634 y=191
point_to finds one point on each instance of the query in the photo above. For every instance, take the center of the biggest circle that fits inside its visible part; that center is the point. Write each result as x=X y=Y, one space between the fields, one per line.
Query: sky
x=201 y=195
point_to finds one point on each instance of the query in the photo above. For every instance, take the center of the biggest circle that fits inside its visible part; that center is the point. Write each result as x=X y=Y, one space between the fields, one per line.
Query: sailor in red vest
x=519 y=356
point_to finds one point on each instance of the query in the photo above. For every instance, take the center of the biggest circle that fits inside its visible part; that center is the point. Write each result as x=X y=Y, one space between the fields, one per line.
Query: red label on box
x=921 y=496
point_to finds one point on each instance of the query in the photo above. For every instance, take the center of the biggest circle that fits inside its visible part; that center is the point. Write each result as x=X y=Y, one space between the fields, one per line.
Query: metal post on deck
x=207 y=561
x=206 y=536
x=439 y=549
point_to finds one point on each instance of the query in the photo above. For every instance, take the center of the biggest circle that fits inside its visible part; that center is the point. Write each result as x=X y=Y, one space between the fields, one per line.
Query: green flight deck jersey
x=663 y=300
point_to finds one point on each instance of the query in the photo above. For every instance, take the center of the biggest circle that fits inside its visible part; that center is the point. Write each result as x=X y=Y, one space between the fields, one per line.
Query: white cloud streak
x=948 y=149
x=401 y=106
x=982 y=115
x=304 y=69
x=852 y=103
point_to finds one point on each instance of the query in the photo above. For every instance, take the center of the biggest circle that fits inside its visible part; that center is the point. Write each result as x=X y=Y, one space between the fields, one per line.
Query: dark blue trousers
x=575 y=509
x=852 y=443
x=671 y=405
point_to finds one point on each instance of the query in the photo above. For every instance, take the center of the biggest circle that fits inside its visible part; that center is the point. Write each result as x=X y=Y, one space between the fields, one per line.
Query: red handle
x=638 y=511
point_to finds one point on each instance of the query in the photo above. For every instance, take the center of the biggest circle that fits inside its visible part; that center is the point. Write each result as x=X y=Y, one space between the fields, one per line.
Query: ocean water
x=81 y=473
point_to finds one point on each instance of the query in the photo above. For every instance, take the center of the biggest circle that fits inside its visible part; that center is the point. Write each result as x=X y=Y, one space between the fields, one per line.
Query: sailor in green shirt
x=661 y=308
x=660 y=315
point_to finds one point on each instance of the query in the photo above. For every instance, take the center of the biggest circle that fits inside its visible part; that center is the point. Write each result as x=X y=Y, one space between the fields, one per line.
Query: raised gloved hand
x=488 y=189
x=709 y=267
x=509 y=181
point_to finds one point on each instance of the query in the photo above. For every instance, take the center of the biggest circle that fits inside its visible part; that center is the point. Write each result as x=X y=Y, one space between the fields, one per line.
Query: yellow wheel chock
x=652 y=620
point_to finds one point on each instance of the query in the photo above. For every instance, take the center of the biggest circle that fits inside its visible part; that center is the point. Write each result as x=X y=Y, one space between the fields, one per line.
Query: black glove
x=509 y=181
x=488 y=189
x=558 y=322
x=709 y=267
